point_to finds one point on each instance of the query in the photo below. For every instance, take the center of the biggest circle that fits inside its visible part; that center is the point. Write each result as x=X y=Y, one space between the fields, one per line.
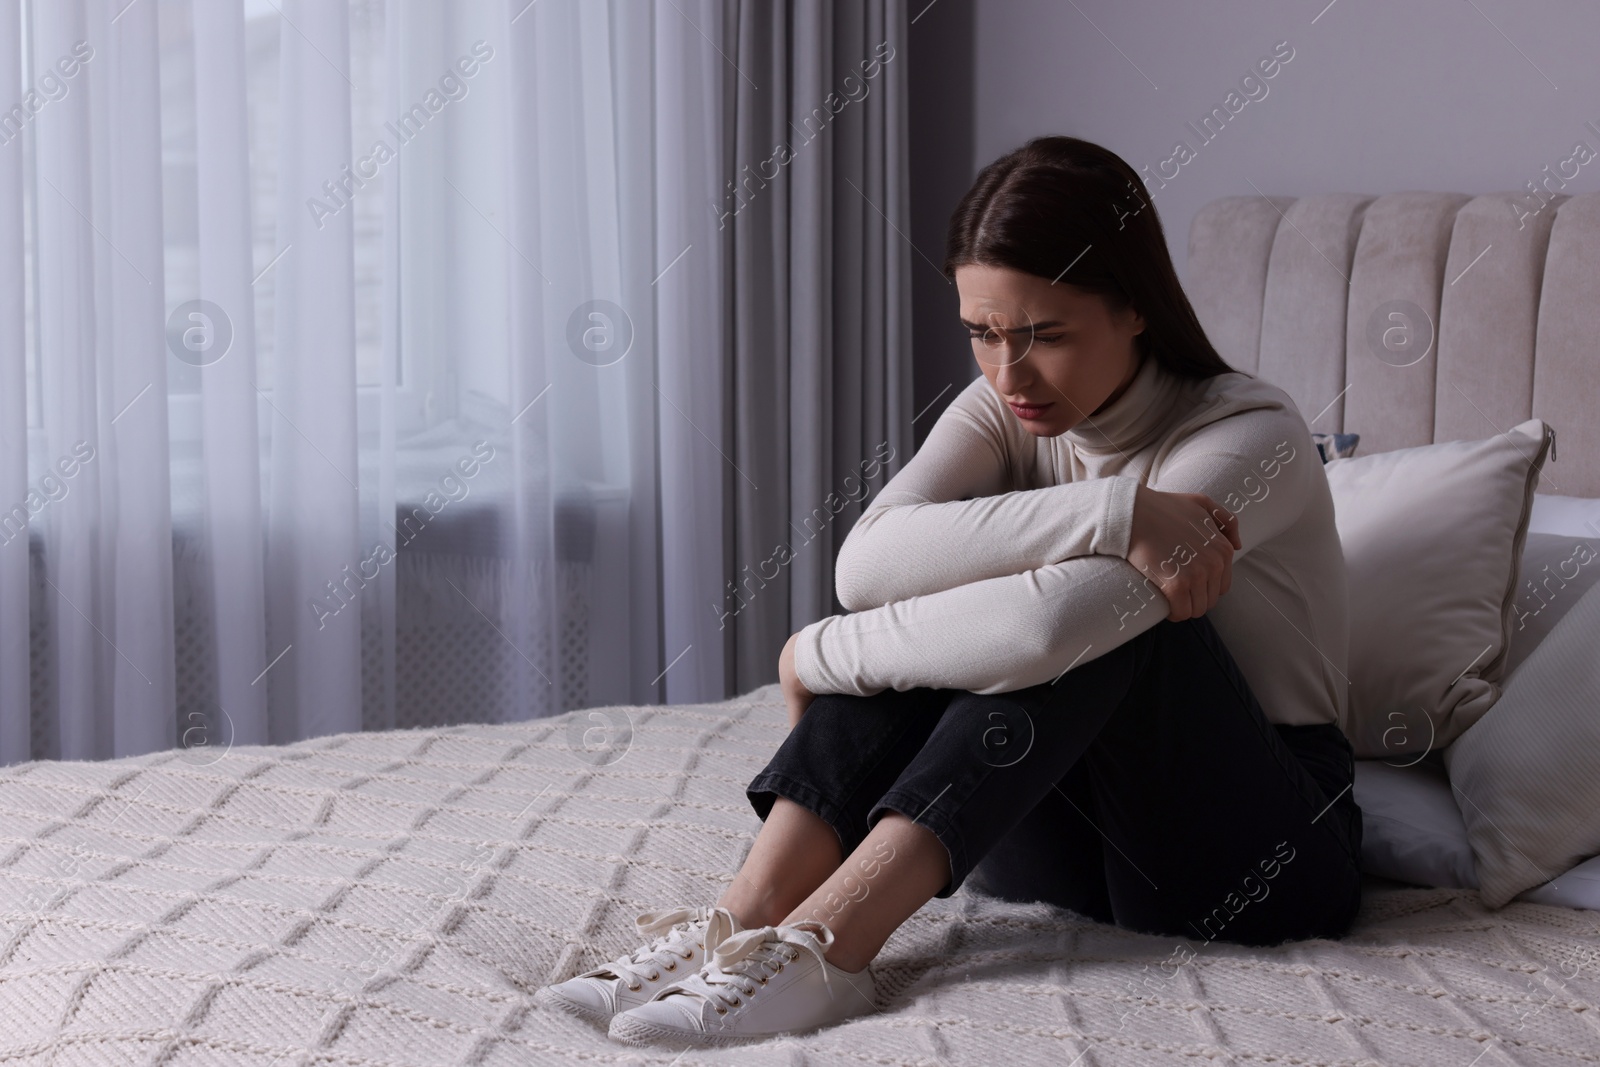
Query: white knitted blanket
x=395 y=898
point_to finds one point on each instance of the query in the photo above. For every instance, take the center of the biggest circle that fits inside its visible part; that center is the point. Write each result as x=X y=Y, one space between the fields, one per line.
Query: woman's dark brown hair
x=1074 y=212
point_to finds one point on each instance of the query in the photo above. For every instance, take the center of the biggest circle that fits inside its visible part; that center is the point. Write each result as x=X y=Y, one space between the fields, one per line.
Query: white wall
x=1379 y=97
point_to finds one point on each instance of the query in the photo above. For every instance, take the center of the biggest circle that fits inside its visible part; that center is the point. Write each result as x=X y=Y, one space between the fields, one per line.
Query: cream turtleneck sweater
x=995 y=560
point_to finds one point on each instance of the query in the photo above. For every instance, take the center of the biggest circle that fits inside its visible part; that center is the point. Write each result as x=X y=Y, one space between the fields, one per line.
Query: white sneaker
x=757 y=984
x=673 y=938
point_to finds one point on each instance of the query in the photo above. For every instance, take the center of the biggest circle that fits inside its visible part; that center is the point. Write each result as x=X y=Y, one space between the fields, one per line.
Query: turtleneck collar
x=1135 y=417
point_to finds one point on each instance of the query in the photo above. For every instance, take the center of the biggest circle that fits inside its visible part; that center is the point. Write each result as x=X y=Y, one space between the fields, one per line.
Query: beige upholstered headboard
x=1414 y=317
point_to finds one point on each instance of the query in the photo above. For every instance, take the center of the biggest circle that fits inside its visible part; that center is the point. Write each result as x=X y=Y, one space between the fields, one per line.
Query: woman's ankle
x=848 y=960
x=752 y=909
x=855 y=945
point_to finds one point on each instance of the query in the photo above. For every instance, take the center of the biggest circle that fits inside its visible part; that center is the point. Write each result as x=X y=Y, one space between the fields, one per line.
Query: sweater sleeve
x=945 y=519
x=1013 y=631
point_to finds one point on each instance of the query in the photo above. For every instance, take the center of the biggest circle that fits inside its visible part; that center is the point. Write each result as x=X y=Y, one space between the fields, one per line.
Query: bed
x=395 y=898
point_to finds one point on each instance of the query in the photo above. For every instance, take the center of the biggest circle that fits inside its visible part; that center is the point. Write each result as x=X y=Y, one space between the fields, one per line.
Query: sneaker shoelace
x=662 y=952
x=743 y=962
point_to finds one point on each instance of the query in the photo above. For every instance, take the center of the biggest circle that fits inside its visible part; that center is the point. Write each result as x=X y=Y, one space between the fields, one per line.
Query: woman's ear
x=1124 y=314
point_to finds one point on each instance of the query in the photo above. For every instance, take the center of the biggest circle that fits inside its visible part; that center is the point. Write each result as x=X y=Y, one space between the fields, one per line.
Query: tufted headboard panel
x=1414 y=317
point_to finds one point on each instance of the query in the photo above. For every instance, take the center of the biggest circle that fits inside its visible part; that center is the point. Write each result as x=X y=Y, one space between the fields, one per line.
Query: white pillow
x=1411 y=829
x=1527 y=774
x=1576 y=516
x=1431 y=537
x=1577 y=888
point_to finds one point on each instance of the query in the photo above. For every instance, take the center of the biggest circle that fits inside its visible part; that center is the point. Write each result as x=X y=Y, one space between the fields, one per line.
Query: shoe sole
x=640 y=1032
x=634 y=1031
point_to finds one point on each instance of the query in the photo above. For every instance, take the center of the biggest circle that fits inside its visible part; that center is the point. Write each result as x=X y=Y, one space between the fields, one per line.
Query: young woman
x=1096 y=652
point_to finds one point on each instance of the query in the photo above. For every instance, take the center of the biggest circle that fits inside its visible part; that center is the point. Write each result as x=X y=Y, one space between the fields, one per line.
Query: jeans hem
x=764 y=790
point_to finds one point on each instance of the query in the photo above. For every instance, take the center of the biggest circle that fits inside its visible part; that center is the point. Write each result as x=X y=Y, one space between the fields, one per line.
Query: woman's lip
x=1028 y=411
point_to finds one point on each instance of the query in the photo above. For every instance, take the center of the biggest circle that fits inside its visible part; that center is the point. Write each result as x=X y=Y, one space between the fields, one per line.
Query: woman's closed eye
x=1038 y=338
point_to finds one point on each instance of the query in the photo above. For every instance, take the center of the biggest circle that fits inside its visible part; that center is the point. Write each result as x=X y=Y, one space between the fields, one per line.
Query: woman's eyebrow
x=984 y=328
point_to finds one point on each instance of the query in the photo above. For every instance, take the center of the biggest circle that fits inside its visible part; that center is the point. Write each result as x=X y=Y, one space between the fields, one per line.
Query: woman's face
x=1050 y=345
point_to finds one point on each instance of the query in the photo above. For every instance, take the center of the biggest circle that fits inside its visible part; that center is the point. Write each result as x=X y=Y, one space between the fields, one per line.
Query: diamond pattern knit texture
x=385 y=899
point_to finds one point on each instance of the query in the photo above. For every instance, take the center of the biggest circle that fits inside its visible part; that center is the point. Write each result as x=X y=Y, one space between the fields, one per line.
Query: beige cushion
x=1527 y=775
x=1431 y=538
x=1555 y=573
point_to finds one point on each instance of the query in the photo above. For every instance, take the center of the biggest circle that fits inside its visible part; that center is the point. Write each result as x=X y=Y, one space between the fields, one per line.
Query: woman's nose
x=1011 y=364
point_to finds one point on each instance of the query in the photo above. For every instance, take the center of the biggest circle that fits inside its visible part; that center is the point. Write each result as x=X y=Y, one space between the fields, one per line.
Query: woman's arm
x=923 y=535
x=796 y=697
x=1014 y=631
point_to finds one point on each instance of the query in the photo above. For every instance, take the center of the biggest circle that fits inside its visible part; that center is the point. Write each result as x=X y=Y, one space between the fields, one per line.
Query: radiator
x=451 y=663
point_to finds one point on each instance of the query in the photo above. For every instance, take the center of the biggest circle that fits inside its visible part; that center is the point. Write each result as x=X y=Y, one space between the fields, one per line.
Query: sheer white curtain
x=372 y=364
x=371 y=463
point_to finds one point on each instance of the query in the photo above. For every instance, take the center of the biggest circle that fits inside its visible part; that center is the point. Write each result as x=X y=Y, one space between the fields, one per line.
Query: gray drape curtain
x=814 y=209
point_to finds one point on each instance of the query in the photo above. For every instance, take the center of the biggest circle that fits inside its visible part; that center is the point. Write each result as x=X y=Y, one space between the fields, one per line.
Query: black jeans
x=1145 y=788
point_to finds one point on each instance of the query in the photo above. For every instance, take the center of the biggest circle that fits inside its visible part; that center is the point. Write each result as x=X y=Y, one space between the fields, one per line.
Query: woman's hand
x=795 y=694
x=1184 y=543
